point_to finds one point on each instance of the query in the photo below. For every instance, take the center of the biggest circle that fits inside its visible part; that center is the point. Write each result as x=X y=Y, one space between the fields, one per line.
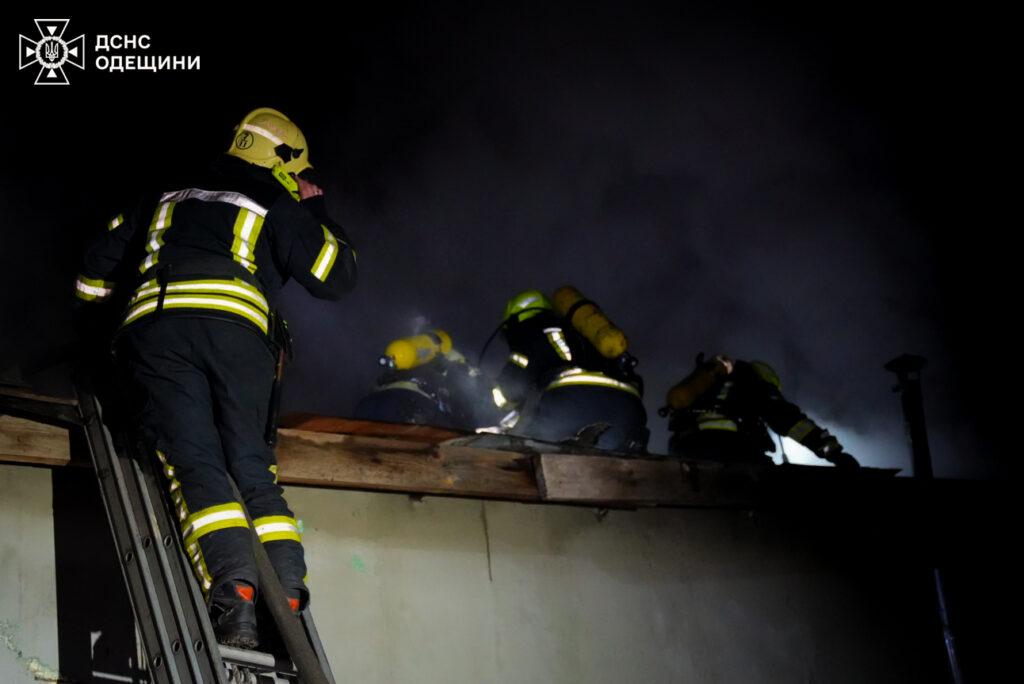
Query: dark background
x=815 y=187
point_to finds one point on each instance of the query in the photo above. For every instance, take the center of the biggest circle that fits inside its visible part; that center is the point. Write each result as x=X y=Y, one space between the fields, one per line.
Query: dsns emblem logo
x=51 y=51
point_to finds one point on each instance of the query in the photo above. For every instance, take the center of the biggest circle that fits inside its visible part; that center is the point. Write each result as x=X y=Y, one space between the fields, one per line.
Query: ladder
x=170 y=613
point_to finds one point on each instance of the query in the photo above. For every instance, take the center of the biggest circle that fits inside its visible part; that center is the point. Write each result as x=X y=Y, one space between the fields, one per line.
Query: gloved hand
x=825 y=446
x=308 y=189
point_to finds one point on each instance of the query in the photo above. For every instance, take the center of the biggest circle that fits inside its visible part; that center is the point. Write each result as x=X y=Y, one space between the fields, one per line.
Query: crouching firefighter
x=723 y=409
x=201 y=265
x=569 y=375
x=426 y=381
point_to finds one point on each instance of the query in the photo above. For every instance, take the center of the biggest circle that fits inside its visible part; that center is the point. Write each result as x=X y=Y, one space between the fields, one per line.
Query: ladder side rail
x=198 y=651
x=132 y=549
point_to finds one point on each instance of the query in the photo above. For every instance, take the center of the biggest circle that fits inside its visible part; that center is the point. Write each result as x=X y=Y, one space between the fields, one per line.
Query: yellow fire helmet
x=268 y=138
x=526 y=304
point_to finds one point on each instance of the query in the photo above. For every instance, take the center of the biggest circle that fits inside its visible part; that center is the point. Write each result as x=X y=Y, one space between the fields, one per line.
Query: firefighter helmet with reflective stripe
x=268 y=138
x=526 y=304
x=767 y=373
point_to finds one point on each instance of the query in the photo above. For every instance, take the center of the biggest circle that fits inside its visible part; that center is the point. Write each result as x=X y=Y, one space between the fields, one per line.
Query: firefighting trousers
x=564 y=411
x=202 y=395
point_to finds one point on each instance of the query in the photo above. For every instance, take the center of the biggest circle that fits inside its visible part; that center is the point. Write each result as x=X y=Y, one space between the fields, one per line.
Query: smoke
x=708 y=193
x=703 y=179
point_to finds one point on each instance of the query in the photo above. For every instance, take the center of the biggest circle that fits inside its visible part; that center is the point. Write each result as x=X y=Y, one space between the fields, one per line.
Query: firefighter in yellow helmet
x=560 y=378
x=427 y=381
x=196 y=269
x=723 y=409
x=269 y=139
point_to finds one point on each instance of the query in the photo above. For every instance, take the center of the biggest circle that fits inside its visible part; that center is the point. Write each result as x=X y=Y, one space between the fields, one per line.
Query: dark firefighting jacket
x=546 y=353
x=456 y=393
x=744 y=402
x=221 y=248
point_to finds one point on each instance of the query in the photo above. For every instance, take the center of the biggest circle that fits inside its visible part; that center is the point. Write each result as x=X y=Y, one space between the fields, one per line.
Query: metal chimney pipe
x=907 y=368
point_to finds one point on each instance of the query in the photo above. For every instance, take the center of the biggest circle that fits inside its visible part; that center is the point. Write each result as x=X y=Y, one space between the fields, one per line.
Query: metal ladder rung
x=256 y=659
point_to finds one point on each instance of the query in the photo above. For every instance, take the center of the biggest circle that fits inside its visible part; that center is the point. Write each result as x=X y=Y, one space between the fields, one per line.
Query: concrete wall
x=447 y=590
x=28 y=604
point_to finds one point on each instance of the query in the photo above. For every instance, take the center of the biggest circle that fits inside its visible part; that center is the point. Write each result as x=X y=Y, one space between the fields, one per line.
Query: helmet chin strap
x=285 y=179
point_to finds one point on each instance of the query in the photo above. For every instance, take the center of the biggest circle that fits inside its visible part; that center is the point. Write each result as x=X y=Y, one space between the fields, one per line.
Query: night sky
x=806 y=187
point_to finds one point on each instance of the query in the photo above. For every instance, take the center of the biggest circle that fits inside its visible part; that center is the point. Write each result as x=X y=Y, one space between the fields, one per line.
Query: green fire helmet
x=526 y=304
x=268 y=138
x=767 y=373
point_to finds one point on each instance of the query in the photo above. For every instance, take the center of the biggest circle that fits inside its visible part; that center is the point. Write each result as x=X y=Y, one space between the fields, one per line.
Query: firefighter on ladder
x=200 y=266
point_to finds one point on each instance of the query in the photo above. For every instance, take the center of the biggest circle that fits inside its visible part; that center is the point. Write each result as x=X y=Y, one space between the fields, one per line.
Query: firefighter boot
x=233 y=613
x=297 y=600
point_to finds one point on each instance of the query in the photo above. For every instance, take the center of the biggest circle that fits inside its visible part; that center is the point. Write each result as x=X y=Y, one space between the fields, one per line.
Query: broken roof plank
x=367 y=428
x=359 y=462
x=33 y=443
x=432 y=461
x=60 y=411
x=590 y=479
x=457 y=467
x=596 y=479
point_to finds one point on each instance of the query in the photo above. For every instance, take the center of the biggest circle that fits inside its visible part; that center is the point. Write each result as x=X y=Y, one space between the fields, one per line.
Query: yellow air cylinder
x=693 y=386
x=409 y=352
x=591 y=322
